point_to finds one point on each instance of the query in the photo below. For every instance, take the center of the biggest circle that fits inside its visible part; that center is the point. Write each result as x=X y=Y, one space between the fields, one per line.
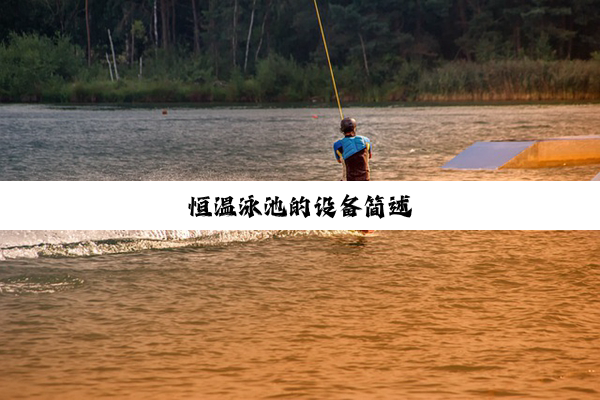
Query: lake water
x=291 y=314
x=410 y=143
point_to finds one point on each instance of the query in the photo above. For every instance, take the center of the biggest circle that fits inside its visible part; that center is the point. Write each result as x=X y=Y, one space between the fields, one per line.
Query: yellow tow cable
x=337 y=96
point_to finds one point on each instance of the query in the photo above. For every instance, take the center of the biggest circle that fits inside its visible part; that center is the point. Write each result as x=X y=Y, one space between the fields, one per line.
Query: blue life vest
x=350 y=145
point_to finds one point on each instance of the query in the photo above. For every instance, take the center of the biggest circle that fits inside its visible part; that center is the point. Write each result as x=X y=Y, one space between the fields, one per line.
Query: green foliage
x=31 y=62
x=276 y=73
x=380 y=49
x=138 y=29
x=405 y=82
x=385 y=32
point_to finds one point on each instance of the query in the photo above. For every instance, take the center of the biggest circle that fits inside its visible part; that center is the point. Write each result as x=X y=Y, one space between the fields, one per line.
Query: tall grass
x=522 y=80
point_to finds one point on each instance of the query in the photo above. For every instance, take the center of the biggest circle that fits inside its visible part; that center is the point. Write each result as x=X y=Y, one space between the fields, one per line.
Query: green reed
x=513 y=80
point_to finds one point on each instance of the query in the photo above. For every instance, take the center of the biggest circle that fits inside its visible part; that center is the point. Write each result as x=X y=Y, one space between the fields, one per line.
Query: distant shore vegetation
x=37 y=68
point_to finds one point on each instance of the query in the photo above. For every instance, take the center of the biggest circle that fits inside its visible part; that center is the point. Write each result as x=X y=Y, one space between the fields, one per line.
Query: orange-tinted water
x=411 y=315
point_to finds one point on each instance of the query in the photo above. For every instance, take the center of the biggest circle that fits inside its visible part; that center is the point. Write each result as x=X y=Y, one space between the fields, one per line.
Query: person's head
x=348 y=126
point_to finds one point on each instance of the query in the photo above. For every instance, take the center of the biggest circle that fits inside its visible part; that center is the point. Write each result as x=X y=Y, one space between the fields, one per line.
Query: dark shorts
x=357 y=166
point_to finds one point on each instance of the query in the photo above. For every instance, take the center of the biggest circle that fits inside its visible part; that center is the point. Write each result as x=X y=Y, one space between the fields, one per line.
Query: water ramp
x=556 y=152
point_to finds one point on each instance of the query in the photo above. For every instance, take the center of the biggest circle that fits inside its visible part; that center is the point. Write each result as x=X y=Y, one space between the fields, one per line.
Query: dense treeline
x=271 y=50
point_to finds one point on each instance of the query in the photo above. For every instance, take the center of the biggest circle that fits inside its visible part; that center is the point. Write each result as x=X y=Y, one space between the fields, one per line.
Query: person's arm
x=337 y=150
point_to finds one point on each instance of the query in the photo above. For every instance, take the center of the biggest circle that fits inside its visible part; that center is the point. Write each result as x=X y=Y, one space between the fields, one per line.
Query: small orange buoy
x=164 y=112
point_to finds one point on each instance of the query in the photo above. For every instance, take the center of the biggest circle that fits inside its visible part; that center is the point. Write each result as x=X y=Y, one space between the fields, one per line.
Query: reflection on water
x=419 y=315
x=410 y=143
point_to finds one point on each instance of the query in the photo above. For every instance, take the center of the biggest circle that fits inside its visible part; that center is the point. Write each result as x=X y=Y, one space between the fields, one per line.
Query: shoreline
x=307 y=105
x=143 y=93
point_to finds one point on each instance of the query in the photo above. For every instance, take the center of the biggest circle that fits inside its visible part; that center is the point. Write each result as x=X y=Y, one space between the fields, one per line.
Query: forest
x=260 y=51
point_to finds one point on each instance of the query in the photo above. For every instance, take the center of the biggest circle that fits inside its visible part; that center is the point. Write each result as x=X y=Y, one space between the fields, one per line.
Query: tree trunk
x=196 y=29
x=127 y=51
x=155 y=29
x=164 y=24
x=249 y=35
x=109 y=67
x=364 y=51
x=112 y=49
x=173 y=23
x=212 y=35
x=87 y=28
x=132 y=46
x=262 y=31
x=234 y=33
